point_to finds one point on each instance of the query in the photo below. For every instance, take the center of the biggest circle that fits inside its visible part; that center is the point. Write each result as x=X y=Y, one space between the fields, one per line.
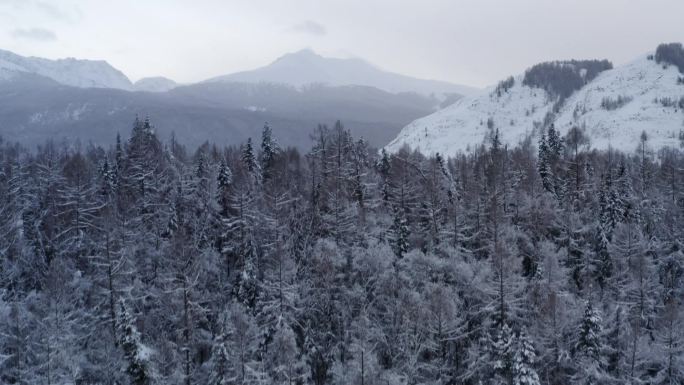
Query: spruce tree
x=248 y=157
x=589 y=343
x=269 y=150
x=524 y=360
x=135 y=352
x=602 y=261
x=543 y=164
x=384 y=167
x=503 y=354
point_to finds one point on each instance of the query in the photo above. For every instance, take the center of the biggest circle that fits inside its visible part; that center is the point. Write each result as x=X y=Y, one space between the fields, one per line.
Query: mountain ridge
x=69 y=71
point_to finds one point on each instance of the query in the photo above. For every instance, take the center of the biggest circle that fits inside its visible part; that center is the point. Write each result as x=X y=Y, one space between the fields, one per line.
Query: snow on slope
x=71 y=72
x=306 y=67
x=463 y=126
x=640 y=83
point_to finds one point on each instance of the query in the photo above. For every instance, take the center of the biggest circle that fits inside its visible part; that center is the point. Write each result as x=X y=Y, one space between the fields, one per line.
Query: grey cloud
x=38 y=34
x=310 y=27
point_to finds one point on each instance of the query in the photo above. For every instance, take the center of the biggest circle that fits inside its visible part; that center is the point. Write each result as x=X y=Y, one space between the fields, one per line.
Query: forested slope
x=151 y=263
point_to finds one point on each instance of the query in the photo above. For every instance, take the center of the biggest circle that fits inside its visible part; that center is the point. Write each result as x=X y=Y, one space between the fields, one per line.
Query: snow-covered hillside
x=614 y=108
x=70 y=71
x=644 y=97
x=464 y=125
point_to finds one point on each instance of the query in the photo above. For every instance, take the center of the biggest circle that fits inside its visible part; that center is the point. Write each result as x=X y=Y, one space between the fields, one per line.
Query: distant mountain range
x=92 y=101
x=306 y=67
x=614 y=107
x=70 y=72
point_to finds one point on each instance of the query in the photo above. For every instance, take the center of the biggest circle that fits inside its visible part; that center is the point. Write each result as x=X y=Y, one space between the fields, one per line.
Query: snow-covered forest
x=152 y=263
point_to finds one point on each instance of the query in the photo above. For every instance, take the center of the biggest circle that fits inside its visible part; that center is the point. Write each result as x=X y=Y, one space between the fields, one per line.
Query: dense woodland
x=561 y=78
x=151 y=263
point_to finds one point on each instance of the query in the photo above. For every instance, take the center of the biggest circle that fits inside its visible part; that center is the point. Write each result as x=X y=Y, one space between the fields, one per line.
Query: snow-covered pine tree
x=524 y=360
x=135 y=353
x=543 y=164
x=248 y=158
x=224 y=181
x=503 y=355
x=269 y=151
x=602 y=262
x=589 y=344
x=246 y=289
x=384 y=167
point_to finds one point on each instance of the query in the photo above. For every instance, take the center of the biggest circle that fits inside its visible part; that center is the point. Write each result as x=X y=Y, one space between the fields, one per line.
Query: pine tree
x=135 y=352
x=543 y=164
x=503 y=354
x=384 y=168
x=225 y=176
x=555 y=144
x=247 y=285
x=609 y=206
x=248 y=157
x=524 y=361
x=224 y=181
x=269 y=150
x=589 y=349
x=602 y=261
x=589 y=343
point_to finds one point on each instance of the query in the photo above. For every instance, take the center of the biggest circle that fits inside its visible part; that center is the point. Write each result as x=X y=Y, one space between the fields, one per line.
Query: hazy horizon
x=464 y=42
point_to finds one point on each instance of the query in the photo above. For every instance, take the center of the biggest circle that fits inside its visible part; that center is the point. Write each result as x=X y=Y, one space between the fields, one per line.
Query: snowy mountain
x=614 y=108
x=155 y=84
x=70 y=71
x=306 y=67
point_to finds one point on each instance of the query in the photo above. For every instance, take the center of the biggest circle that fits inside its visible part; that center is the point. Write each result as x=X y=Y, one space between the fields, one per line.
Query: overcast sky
x=473 y=42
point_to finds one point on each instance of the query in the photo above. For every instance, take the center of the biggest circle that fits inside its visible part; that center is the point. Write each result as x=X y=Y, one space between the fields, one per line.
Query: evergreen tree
x=589 y=343
x=248 y=157
x=247 y=285
x=135 y=352
x=555 y=144
x=524 y=360
x=269 y=150
x=504 y=355
x=384 y=167
x=602 y=261
x=224 y=181
x=544 y=165
x=589 y=348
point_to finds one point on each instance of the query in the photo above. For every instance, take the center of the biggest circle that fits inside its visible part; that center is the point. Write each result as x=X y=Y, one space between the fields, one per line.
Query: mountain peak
x=69 y=71
x=305 y=67
x=305 y=53
x=154 y=84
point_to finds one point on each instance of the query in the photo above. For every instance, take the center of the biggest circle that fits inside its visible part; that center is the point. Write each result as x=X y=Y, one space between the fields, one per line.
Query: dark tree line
x=561 y=78
x=150 y=263
x=671 y=53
